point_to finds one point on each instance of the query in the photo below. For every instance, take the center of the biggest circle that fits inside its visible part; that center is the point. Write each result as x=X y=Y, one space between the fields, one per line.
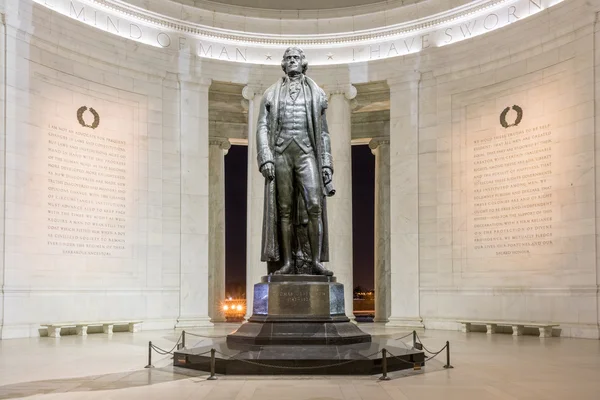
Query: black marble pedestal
x=349 y=359
x=299 y=326
x=297 y=310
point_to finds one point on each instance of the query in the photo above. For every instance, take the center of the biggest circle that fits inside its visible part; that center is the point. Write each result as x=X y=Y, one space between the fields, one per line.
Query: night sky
x=363 y=194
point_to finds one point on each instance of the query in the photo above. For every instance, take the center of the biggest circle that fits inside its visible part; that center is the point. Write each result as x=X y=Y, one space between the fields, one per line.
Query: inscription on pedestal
x=301 y=299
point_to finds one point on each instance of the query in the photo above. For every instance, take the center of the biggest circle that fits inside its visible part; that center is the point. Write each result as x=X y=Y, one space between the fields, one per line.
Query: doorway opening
x=236 y=167
x=363 y=226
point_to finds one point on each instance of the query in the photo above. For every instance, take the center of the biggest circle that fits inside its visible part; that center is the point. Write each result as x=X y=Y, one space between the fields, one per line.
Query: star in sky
x=329 y=56
x=268 y=56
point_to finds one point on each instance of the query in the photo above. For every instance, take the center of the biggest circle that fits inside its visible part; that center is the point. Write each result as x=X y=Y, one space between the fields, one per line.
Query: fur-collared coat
x=266 y=134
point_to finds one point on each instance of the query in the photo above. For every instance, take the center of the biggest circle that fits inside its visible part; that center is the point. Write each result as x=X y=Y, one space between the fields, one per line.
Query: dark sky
x=363 y=203
x=363 y=193
x=236 y=166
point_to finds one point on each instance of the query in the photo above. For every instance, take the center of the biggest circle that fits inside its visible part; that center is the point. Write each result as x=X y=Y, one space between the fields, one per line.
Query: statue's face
x=292 y=61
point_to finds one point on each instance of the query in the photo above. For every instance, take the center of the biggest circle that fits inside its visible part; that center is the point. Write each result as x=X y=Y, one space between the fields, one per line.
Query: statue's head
x=294 y=61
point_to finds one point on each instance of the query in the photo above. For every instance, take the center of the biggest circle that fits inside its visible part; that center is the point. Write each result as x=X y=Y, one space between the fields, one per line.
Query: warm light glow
x=225 y=307
x=239 y=307
x=475 y=18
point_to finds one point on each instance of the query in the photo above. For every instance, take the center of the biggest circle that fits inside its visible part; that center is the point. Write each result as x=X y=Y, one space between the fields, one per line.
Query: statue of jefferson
x=294 y=156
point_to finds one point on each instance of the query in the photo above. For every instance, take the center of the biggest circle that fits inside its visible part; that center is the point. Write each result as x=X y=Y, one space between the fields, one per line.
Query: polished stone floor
x=486 y=367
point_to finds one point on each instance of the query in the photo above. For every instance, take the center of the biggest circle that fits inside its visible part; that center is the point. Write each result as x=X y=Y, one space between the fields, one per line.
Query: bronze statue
x=294 y=156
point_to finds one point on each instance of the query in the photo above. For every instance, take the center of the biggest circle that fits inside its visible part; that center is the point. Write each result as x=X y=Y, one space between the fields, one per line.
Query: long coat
x=266 y=134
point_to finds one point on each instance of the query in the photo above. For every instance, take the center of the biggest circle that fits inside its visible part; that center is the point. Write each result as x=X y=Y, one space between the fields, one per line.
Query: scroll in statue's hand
x=328 y=182
x=268 y=171
x=327 y=175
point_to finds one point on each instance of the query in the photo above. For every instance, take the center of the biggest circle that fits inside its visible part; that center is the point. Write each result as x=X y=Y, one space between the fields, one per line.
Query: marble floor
x=486 y=367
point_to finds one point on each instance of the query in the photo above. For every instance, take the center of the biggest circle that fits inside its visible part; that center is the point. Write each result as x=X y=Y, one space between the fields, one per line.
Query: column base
x=218 y=319
x=381 y=320
x=197 y=322
x=406 y=322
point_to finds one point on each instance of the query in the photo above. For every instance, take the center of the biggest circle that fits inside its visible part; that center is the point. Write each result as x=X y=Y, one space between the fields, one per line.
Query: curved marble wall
x=446 y=104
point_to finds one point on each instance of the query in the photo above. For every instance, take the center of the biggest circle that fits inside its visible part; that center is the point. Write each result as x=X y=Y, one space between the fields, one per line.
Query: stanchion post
x=384 y=376
x=149 y=356
x=448 y=356
x=212 y=376
x=183 y=339
x=414 y=339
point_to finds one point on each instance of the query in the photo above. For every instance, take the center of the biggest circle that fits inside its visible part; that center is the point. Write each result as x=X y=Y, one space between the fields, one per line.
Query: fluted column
x=380 y=147
x=256 y=184
x=404 y=202
x=194 y=267
x=216 y=225
x=339 y=207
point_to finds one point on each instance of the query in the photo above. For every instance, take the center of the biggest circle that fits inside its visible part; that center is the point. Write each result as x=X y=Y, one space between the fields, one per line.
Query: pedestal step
x=299 y=333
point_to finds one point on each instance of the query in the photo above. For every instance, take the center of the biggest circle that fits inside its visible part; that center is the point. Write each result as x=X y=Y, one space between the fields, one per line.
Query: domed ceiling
x=298 y=5
x=236 y=30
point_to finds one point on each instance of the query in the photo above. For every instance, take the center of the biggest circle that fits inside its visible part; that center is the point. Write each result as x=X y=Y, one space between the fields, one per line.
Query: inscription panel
x=510 y=191
x=88 y=192
x=298 y=299
x=522 y=192
x=74 y=188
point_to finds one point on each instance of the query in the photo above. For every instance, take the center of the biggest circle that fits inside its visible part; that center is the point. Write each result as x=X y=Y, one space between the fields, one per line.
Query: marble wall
x=92 y=211
x=507 y=183
x=492 y=156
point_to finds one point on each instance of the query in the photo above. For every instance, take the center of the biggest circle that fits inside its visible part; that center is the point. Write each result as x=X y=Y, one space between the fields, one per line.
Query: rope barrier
x=401 y=360
x=436 y=354
x=163 y=351
x=160 y=351
x=292 y=367
x=402 y=337
x=429 y=351
x=213 y=352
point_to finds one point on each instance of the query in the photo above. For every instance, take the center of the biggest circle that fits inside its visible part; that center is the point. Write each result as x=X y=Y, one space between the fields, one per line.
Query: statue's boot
x=286 y=248
x=319 y=269
x=315 y=237
x=287 y=269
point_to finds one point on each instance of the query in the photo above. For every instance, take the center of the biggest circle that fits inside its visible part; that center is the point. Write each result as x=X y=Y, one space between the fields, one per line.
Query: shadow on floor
x=121 y=380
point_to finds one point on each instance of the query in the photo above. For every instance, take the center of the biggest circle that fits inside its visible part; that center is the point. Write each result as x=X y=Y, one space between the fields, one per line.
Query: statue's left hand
x=327 y=175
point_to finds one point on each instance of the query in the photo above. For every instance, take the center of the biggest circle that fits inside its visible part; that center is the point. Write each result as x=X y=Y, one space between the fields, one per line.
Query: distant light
x=230 y=298
x=225 y=307
x=239 y=307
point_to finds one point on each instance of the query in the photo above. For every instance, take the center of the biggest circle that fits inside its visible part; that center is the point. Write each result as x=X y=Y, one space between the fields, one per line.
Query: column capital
x=375 y=142
x=404 y=79
x=349 y=91
x=223 y=143
x=193 y=79
x=251 y=90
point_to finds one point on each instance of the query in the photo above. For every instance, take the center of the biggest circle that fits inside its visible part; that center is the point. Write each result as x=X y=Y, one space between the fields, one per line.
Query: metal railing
x=385 y=353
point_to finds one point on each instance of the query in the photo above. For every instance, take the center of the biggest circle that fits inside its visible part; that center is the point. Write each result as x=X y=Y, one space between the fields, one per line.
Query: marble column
x=194 y=271
x=339 y=207
x=404 y=202
x=255 y=268
x=2 y=166
x=380 y=147
x=218 y=148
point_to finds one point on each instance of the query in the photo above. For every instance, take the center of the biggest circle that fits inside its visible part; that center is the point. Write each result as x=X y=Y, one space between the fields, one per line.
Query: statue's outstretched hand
x=268 y=171
x=327 y=175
